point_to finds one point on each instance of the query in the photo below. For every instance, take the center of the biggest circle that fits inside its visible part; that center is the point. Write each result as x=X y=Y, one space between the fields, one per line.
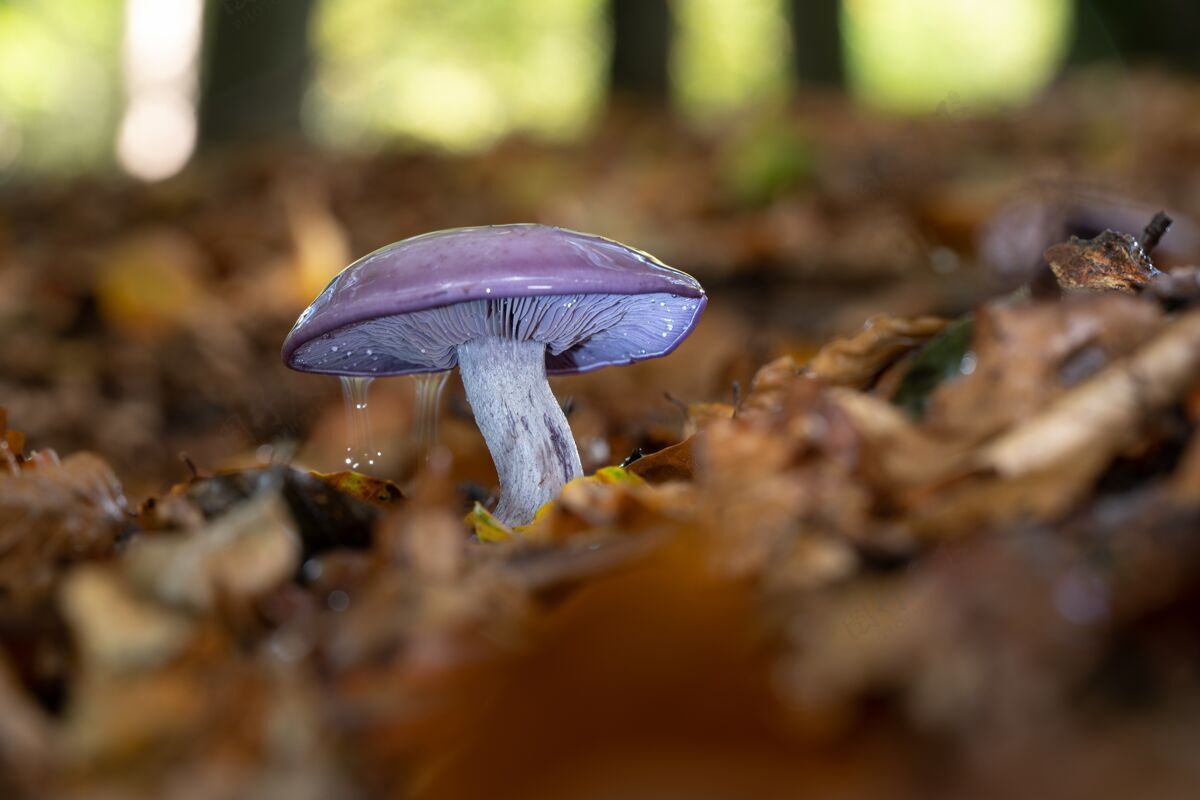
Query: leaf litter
x=939 y=556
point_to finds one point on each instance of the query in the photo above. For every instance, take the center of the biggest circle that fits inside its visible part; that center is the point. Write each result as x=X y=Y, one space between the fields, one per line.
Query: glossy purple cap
x=403 y=308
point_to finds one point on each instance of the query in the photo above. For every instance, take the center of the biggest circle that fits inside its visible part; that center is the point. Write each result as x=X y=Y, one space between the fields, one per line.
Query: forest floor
x=913 y=513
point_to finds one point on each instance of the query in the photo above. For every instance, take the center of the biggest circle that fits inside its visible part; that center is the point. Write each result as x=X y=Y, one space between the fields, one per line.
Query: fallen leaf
x=856 y=361
x=1110 y=261
x=673 y=463
x=376 y=491
x=53 y=514
x=1104 y=414
x=114 y=629
x=241 y=554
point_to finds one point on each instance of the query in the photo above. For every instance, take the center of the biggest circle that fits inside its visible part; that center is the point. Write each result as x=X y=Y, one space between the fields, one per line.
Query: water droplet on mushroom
x=360 y=451
x=334 y=348
x=429 y=396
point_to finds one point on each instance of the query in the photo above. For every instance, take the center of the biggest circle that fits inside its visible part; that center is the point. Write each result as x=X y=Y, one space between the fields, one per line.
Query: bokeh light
x=58 y=83
x=911 y=55
x=730 y=53
x=160 y=55
x=456 y=75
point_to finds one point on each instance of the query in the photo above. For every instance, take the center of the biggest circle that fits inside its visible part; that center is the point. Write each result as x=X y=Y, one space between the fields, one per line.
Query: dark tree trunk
x=1154 y=31
x=256 y=69
x=641 y=36
x=817 y=41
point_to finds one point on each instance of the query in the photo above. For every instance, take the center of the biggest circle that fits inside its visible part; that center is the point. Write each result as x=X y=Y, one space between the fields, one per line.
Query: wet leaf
x=1110 y=261
x=376 y=491
x=938 y=361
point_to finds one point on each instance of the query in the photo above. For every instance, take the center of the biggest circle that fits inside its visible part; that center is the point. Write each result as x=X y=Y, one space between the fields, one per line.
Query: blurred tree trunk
x=1156 y=31
x=641 y=47
x=817 y=41
x=255 y=69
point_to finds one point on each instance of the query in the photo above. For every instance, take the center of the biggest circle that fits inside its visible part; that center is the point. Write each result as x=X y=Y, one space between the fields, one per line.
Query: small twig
x=1154 y=231
x=191 y=465
x=675 y=401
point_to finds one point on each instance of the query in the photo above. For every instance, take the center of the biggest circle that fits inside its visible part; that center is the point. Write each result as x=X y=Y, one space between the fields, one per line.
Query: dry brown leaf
x=240 y=554
x=116 y=630
x=855 y=361
x=1108 y=411
x=1026 y=354
x=1110 y=261
x=674 y=463
x=700 y=415
x=52 y=514
x=769 y=387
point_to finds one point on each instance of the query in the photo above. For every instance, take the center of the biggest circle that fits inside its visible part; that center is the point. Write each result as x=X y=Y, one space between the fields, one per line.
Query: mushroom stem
x=522 y=423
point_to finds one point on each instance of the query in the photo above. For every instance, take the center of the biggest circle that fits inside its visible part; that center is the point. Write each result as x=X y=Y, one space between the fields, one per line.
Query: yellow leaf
x=487 y=527
x=376 y=491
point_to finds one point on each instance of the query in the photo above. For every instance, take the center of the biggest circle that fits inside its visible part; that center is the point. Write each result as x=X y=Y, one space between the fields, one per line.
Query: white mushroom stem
x=523 y=425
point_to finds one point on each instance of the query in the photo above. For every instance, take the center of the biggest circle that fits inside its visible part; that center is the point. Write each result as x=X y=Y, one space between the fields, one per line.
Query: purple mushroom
x=508 y=304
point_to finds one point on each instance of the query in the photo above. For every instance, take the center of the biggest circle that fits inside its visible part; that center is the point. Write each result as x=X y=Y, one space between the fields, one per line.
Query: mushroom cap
x=597 y=301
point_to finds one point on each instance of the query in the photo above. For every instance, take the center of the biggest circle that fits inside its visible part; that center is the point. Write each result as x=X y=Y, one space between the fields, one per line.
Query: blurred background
x=179 y=178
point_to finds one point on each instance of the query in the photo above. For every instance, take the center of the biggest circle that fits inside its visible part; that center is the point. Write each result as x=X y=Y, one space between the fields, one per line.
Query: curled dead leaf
x=673 y=463
x=856 y=360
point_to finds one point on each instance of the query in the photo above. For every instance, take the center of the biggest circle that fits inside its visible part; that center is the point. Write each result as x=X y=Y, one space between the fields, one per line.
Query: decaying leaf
x=770 y=385
x=673 y=463
x=53 y=514
x=1105 y=413
x=700 y=415
x=327 y=514
x=1110 y=261
x=856 y=361
x=1020 y=356
x=241 y=554
x=114 y=628
x=376 y=491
